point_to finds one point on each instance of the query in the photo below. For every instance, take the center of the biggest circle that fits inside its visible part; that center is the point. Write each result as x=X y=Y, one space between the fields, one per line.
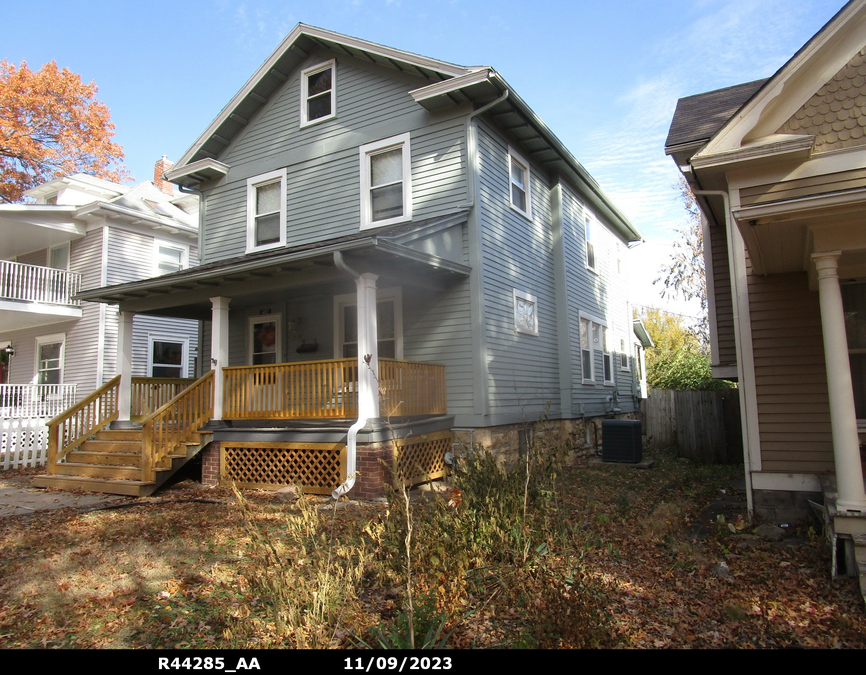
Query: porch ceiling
x=187 y=293
x=31 y=227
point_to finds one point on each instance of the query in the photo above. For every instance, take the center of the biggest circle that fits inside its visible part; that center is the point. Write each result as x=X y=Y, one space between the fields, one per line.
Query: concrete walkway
x=19 y=498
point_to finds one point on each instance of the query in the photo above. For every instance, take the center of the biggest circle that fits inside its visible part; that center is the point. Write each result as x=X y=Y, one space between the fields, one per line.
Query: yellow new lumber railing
x=70 y=429
x=151 y=393
x=167 y=430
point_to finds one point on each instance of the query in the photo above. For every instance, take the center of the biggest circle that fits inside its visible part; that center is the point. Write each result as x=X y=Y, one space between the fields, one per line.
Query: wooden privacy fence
x=704 y=425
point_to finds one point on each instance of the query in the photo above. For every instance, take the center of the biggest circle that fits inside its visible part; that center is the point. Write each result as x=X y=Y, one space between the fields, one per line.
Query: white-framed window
x=318 y=93
x=389 y=324
x=525 y=313
x=593 y=340
x=854 y=304
x=607 y=359
x=386 y=182
x=519 y=183
x=265 y=346
x=167 y=356
x=589 y=226
x=50 y=353
x=169 y=257
x=58 y=257
x=266 y=211
x=623 y=355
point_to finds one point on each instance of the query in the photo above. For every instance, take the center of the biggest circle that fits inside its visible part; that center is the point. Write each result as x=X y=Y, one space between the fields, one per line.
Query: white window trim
x=351 y=299
x=277 y=319
x=312 y=70
x=606 y=354
x=184 y=255
x=54 y=248
x=48 y=339
x=156 y=337
x=528 y=297
x=589 y=242
x=252 y=184
x=623 y=344
x=513 y=156
x=366 y=152
x=603 y=325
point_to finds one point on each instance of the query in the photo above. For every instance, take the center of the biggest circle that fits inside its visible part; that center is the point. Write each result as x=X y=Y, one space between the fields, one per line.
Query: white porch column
x=219 y=349
x=368 y=343
x=124 y=365
x=843 y=418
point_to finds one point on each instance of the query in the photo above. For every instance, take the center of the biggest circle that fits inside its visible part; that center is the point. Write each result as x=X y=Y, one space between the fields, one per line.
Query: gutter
x=352 y=435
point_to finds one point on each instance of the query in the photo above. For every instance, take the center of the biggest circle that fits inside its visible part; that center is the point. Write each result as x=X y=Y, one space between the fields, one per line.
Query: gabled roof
x=697 y=118
x=276 y=70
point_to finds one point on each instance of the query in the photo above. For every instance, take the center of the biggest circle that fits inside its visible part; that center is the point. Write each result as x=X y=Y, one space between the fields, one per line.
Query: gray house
x=388 y=236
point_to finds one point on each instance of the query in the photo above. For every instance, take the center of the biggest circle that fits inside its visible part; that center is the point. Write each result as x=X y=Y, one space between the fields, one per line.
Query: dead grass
x=609 y=558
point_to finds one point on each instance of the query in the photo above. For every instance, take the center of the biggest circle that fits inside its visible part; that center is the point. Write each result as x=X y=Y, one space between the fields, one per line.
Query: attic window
x=518 y=169
x=318 y=86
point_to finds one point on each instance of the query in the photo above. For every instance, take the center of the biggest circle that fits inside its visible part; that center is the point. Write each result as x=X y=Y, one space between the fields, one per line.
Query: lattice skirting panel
x=421 y=458
x=317 y=467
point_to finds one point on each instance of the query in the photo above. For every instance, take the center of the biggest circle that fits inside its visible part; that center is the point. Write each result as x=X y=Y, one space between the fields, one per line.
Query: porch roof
x=187 y=293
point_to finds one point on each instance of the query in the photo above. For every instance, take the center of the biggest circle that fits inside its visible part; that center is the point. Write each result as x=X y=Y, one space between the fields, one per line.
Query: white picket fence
x=23 y=442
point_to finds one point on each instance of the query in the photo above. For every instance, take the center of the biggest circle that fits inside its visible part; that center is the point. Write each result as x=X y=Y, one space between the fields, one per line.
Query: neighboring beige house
x=779 y=169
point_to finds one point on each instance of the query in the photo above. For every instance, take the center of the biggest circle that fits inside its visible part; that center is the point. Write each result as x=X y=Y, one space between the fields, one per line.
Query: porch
x=34 y=295
x=282 y=424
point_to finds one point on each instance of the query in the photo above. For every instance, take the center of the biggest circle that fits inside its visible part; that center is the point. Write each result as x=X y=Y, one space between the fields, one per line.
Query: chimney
x=163 y=165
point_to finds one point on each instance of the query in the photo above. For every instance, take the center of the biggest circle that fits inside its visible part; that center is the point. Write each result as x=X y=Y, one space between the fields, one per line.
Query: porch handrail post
x=124 y=365
x=219 y=350
x=368 y=341
x=843 y=416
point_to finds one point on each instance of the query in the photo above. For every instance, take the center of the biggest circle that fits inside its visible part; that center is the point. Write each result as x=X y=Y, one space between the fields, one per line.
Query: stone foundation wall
x=582 y=437
x=785 y=506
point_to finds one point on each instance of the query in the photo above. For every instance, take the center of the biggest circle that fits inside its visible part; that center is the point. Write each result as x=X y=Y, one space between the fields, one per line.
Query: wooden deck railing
x=149 y=394
x=70 y=429
x=34 y=283
x=329 y=389
x=313 y=389
x=168 y=429
x=411 y=388
x=20 y=401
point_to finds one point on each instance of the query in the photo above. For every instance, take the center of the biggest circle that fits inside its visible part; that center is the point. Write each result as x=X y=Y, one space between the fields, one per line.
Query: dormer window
x=318 y=100
x=266 y=211
x=386 y=182
x=518 y=169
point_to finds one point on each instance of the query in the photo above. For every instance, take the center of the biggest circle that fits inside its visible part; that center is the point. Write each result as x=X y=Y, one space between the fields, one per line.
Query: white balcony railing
x=35 y=400
x=32 y=283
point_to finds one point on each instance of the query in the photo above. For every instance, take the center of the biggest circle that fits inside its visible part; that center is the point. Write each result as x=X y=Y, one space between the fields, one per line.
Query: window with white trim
x=386 y=182
x=525 y=313
x=264 y=347
x=519 y=183
x=169 y=257
x=590 y=245
x=586 y=350
x=167 y=356
x=623 y=355
x=266 y=211
x=607 y=359
x=389 y=324
x=50 y=352
x=318 y=93
x=58 y=257
x=593 y=342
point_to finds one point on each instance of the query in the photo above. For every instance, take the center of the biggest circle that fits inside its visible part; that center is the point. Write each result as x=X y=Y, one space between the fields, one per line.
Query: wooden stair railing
x=173 y=425
x=70 y=429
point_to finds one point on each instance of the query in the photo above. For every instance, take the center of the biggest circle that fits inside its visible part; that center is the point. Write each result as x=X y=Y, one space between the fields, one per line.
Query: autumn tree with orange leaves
x=52 y=125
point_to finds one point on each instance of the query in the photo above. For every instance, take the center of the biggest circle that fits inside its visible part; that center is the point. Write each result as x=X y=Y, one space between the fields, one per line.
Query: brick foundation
x=210 y=465
x=373 y=462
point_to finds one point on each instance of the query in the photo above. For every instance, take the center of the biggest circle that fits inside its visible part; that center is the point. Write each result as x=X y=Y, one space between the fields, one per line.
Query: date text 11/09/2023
x=392 y=663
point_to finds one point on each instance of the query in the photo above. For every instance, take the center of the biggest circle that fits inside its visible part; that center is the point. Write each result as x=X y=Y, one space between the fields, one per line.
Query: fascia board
x=447 y=86
x=802 y=207
x=796 y=81
x=776 y=148
x=199 y=165
x=449 y=69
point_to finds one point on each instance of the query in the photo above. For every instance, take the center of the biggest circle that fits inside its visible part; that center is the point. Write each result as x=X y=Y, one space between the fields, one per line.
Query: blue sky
x=604 y=76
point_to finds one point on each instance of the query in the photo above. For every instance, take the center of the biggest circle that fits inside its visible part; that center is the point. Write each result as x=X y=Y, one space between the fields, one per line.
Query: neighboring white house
x=82 y=232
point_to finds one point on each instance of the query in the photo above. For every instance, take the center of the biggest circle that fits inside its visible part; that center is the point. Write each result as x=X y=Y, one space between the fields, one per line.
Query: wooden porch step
x=99 y=446
x=118 y=472
x=131 y=488
x=105 y=458
x=136 y=435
